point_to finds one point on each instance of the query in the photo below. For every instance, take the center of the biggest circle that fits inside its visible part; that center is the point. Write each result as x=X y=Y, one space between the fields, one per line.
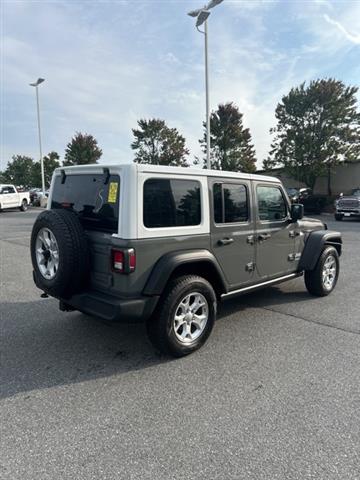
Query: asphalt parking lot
x=275 y=393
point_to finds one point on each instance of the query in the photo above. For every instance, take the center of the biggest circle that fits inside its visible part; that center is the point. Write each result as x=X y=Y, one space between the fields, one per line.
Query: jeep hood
x=308 y=224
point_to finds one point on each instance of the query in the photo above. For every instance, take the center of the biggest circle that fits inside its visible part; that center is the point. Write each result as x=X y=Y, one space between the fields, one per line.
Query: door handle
x=264 y=236
x=225 y=241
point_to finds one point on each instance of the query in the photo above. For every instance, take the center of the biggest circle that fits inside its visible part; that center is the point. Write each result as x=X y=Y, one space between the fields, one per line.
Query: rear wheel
x=322 y=280
x=338 y=217
x=24 y=205
x=185 y=316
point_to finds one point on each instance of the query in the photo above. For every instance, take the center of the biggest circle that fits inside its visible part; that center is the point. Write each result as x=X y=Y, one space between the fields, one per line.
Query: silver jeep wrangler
x=165 y=245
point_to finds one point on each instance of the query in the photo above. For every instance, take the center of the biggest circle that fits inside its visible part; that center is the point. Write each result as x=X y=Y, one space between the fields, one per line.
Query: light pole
x=36 y=85
x=202 y=15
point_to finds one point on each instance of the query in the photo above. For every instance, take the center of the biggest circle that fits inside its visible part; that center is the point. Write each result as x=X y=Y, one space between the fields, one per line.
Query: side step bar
x=261 y=285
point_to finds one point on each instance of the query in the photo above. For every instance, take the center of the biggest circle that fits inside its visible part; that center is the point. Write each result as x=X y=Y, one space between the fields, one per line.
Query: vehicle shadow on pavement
x=43 y=347
x=265 y=297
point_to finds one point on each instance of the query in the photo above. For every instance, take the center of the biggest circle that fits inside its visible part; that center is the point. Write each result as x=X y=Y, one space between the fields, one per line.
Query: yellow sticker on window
x=113 y=188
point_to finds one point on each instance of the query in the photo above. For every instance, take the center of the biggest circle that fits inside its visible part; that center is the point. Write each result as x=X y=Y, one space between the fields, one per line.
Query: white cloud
x=354 y=38
x=107 y=66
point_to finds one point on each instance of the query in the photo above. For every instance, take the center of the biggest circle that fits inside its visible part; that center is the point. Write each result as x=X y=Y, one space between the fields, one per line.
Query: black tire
x=73 y=251
x=338 y=217
x=314 y=278
x=160 y=326
x=24 y=205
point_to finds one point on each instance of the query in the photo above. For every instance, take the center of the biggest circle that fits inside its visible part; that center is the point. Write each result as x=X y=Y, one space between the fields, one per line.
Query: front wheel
x=185 y=316
x=24 y=205
x=322 y=280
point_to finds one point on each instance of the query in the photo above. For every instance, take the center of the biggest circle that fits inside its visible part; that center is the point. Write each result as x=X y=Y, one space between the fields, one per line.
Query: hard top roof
x=160 y=169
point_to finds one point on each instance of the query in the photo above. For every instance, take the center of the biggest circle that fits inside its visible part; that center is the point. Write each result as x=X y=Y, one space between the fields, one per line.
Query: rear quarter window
x=171 y=203
x=95 y=202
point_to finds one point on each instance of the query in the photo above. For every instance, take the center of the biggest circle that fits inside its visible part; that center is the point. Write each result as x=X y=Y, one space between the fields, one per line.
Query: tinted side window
x=230 y=203
x=271 y=204
x=6 y=190
x=171 y=203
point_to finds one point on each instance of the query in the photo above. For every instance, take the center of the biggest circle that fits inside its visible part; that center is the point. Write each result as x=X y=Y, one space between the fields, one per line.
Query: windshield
x=356 y=192
x=95 y=202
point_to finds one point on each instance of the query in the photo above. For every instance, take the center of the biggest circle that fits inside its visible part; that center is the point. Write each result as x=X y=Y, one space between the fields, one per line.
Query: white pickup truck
x=11 y=198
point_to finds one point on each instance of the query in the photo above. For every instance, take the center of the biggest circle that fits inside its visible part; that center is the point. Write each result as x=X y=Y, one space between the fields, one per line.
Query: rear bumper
x=113 y=309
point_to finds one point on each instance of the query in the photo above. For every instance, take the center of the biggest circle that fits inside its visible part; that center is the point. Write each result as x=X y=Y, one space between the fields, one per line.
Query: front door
x=12 y=197
x=7 y=197
x=275 y=232
x=232 y=229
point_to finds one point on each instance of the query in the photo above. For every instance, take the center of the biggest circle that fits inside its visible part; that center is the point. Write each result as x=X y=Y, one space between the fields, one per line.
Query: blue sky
x=109 y=63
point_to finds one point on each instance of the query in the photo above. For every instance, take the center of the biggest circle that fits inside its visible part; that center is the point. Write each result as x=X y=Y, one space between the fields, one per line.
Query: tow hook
x=44 y=295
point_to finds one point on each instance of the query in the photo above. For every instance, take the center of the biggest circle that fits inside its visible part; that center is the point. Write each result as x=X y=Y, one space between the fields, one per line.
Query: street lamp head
x=213 y=4
x=202 y=17
x=38 y=81
x=195 y=13
x=202 y=13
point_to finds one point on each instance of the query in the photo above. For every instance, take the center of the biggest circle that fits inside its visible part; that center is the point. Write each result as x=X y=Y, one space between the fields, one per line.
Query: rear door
x=94 y=198
x=232 y=229
x=14 y=197
x=275 y=232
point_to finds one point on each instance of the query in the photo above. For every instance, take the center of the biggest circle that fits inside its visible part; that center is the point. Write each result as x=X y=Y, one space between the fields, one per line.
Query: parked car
x=10 y=197
x=34 y=196
x=165 y=245
x=293 y=194
x=348 y=206
x=312 y=203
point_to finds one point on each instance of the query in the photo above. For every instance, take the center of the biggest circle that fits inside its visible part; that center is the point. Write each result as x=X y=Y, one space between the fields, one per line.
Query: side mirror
x=341 y=194
x=297 y=211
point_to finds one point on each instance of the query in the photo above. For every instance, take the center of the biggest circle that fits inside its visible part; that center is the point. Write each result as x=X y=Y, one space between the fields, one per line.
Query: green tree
x=51 y=161
x=317 y=127
x=157 y=144
x=82 y=150
x=230 y=143
x=19 y=170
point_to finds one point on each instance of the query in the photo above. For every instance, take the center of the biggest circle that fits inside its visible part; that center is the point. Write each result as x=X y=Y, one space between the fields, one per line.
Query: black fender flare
x=166 y=265
x=314 y=246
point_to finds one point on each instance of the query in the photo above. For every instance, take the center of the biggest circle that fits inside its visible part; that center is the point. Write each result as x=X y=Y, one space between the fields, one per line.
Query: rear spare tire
x=59 y=253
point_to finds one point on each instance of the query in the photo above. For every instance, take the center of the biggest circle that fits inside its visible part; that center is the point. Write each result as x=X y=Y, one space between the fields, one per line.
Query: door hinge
x=250 y=267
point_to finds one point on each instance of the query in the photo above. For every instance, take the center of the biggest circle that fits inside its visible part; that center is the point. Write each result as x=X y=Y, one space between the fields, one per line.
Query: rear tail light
x=132 y=259
x=118 y=261
x=124 y=261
